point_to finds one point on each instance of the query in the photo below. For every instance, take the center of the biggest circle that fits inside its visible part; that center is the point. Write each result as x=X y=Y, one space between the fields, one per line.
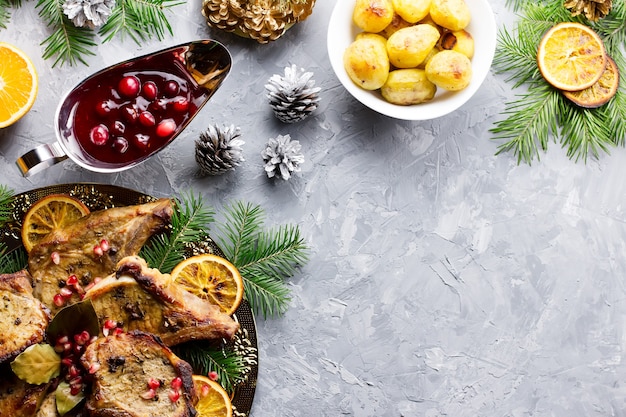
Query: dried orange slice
x=212 y=278
x=49 y=214
x=213 y=400
x=599 y=93
x=18 y=84
x=571 y=56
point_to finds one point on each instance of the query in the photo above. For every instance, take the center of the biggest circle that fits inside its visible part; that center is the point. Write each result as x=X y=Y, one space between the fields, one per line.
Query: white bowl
x=342 y=32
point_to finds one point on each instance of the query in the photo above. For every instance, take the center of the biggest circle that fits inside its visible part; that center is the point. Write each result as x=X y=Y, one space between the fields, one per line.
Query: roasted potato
x=366 y=61
x=450 y=14
x=411 y=10
x=408 y=47
x=396 y=24
x=408 y=86
x=458 y=40
x=372 y=15
x=450 y=70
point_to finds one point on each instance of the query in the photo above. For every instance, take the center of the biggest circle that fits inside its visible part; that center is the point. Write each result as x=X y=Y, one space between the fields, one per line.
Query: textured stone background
x=443 y=281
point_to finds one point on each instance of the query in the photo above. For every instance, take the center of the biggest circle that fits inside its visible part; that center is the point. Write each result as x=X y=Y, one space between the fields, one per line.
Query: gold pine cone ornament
x=261 y=20
x=593 y=10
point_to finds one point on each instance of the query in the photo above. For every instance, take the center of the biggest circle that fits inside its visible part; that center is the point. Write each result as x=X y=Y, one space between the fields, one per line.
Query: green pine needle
x=139 y=19
x=6 y=197
x=231 y=368
x=264 y=258
x=190 y=220
x=543 y=110
x=12 y=261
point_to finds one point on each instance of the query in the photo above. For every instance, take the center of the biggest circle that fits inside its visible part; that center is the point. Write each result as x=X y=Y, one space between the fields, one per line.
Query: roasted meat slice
x=23 y=318
x=91 y=248
x=142 y=298
x=136 y=375
x=17 y=398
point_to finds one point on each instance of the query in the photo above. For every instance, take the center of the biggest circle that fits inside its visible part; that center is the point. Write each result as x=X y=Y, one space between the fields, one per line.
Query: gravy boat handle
x=40 y=158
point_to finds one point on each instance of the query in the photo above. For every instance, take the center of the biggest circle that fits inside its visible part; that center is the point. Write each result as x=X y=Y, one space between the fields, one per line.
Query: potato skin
x=450 y=14
x=449 y=70
x=459 y=40
x=372 y=15
x=408 y=47
x=412 y=10
x=408 y=86
x=366 y=61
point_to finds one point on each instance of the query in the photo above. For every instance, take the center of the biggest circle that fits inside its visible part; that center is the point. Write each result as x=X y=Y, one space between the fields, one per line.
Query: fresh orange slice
x=571 y=56
x=213 y=400
x=49 y=214
x=212 y=278
x=18 y=84
x=599 y=93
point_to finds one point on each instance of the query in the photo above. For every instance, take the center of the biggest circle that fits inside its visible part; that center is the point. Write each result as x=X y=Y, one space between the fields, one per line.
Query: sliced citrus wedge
x=213 y=400
x=601 y=92
x=212 y=278
x=571 y=56
x=18 y=84
x=49 y=214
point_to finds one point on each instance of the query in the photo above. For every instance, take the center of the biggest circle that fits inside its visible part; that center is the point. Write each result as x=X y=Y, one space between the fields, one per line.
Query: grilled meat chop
x=91 y=247
x=18 y=398
x=144 y=299
x=123 y=366
x=23 y=319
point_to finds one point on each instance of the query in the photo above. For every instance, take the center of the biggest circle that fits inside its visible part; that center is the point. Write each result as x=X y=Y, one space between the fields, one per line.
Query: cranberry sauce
x=127 y=113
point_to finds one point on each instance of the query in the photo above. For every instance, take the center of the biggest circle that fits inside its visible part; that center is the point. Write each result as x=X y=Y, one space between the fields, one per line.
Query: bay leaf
x=38 y=364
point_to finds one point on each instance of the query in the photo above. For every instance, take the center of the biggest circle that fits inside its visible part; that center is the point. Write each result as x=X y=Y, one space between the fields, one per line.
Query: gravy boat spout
x=123 y=114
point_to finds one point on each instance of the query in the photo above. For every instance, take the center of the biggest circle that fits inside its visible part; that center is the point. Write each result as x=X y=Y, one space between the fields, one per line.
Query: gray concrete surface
x=443 y=280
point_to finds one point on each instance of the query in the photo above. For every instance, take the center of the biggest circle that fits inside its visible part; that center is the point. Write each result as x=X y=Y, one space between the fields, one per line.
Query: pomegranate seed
x=166 y=128
x=75 y=390
x=149 y=90
x=67 y=362
x=82 y=338
x=129 y=86
x=177 y=383
x=58 y=348
x=205 y=390
x=110 y=324
x=58 y=300
x=66 y=292
x=67 y=347
x=63 y=339
x=120 y=144
x=148 y=395
x=118 y=128
x=73 y=371
x=118 y=330
x=181 y=104
x=55 y=257
x=142 y=141
x=93 y=368
x=213 y=376
x=99 y=135
x=147 y=119
x=171 y=88
x=174 y=396
x=78 y=349
x=97 y=250
x=130 y=113
x=154 y=383
x=72 y=280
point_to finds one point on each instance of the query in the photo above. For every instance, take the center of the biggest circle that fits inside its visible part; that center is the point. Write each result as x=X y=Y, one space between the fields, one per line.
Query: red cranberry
x=103 y=108
x=158 y=105
x=99 y=135
x=181 y=104
x=149 y=90
x=166 y=128
x=118 y=128
x=171 y=88
x=141 y=141
x=130 y=113
x=129 y=86
x=120 y=144
x=147 y=119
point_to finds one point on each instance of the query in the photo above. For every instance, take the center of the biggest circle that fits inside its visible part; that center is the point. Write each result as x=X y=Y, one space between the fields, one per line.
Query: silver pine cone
x=88 y=13
x=292 y=96
x=282 y=157
x=219 y=149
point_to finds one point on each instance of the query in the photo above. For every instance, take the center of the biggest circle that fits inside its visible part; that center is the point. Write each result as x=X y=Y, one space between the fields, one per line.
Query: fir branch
x=584 y=132
x=529 y=122
x=67 y=42
x=231 y=368
x=139 y=19
x=190 y=220
x=6 y=197
x=517 y=55
x=264 y=258
x=12 y=261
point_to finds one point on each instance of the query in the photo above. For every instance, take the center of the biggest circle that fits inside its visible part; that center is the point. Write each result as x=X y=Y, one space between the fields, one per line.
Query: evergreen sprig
x=265 y=258
x=542 y=110
x=190 y=220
